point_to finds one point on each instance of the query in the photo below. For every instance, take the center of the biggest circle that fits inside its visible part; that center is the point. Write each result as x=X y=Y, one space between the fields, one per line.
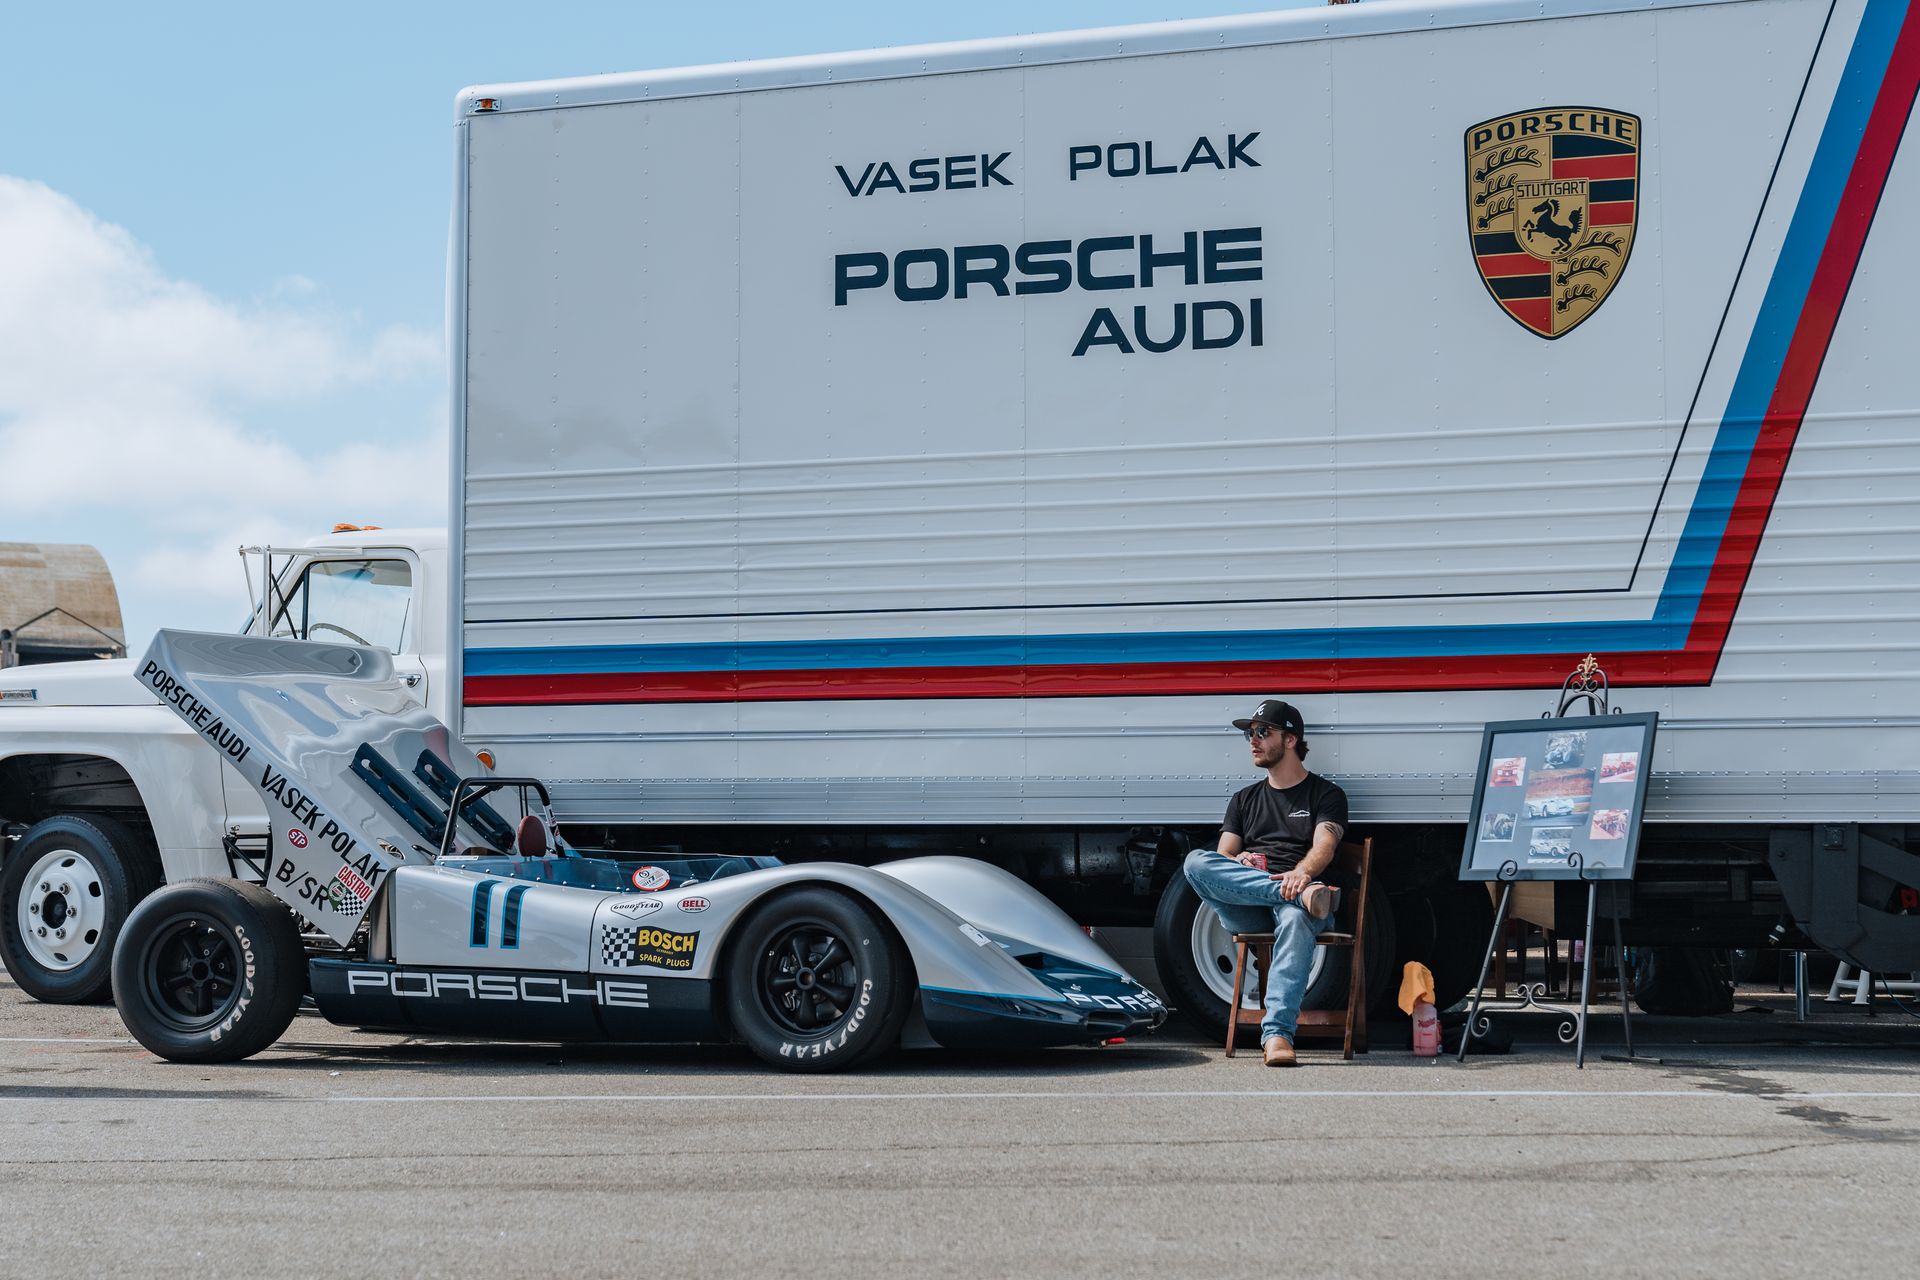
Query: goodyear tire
x=1194 y=954
x=209 y=971
x=816 y=981
x=65 y=893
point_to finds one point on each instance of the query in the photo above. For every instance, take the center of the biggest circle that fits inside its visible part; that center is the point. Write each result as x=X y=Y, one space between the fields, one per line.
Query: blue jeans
x=1249 y=901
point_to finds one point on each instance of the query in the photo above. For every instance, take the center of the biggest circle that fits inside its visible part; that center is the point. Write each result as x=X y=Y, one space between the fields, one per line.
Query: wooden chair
x=1352 y=871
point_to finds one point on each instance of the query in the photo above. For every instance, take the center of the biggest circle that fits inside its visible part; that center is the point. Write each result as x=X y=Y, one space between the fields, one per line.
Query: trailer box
x=940 y=446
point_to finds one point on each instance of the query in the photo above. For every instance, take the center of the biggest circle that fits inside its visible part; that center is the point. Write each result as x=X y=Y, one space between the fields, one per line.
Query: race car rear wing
x=348 y=765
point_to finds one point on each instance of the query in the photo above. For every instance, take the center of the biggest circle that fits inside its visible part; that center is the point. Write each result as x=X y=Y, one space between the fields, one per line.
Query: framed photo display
x=1550 y=789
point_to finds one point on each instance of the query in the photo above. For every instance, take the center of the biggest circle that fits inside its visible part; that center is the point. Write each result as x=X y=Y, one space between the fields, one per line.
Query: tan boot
x=1319 y=900
x=1279 y=1051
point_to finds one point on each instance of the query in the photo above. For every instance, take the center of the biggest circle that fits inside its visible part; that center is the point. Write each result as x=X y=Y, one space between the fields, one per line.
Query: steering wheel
x=333 y=626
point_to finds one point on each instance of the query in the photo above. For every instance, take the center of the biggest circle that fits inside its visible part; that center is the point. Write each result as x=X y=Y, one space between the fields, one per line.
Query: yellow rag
x=1416 y=984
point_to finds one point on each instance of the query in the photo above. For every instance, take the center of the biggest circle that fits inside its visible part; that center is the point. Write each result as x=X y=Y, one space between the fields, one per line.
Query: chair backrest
x=1353 y=862
x=1354 y=859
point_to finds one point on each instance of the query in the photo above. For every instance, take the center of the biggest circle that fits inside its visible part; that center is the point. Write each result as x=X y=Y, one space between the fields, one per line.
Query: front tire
x=65 y=894
x=817 y=982
x=209 y=971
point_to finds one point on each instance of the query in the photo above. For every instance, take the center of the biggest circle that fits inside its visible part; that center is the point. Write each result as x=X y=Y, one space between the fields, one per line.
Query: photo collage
x=1568 y=793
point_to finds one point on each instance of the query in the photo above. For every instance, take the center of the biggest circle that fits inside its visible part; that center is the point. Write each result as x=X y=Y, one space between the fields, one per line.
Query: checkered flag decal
x=348 y=893
x=617 y=945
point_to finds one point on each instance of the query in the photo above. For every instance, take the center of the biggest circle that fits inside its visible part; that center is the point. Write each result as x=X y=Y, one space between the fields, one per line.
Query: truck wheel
x=65 y=893
x=817 y=982
x=209 y=971
x=1463 y=916
x=1444 y=927
x=1194 y=953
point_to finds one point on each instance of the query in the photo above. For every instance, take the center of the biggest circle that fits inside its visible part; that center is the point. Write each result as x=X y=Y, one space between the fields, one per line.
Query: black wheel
x=209 y=971
x=65 y=893
x=1194 y=953
x=1444 y=927
x=817 y=982
x=1688 y=982
x=1383 y=980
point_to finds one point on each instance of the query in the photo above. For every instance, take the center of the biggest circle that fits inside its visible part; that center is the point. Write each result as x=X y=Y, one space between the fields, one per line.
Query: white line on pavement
x=1129 y=1094
x=1063 y=1095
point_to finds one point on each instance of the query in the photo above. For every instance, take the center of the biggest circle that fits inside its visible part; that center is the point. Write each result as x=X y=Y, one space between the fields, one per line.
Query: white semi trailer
x=935 y=448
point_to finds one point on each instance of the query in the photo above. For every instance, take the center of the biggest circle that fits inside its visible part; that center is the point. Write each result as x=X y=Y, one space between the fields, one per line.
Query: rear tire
x=209 y=971
x=816 y=981
x=1194 y=954
x=65 y=894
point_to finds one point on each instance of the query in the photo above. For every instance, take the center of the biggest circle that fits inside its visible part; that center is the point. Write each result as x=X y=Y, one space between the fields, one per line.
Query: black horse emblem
x=1542 y=224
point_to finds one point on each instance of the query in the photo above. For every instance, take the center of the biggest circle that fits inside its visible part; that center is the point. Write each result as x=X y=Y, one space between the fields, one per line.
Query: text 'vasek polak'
x=1222 y=255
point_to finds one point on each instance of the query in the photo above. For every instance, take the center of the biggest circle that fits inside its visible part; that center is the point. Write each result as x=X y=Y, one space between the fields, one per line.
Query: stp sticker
x=646 y=879
x=296 y=837
x=694 y=904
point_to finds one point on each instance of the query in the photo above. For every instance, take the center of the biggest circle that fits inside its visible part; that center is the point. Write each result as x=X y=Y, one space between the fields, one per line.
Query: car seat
x=532 y=839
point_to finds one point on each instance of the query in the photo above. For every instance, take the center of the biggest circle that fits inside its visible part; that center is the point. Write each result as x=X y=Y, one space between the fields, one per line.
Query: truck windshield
x=357 y=601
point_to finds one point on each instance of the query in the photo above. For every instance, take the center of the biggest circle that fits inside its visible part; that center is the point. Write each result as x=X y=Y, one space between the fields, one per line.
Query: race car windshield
x=625 y=874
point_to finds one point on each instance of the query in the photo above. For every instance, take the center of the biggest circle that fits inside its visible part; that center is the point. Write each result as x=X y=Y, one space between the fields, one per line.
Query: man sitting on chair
x=1277 y=836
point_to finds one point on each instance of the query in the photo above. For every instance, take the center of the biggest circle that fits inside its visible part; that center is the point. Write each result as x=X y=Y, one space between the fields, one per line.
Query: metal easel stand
x=1589 y=683
x=1573 y=1021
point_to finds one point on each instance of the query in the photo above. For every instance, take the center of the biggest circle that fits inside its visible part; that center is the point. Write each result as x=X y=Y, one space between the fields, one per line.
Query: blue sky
x=223 y=230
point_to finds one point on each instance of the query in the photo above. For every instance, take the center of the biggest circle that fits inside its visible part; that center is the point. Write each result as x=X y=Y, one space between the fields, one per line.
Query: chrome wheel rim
x=63 y=910
x=1213 y=957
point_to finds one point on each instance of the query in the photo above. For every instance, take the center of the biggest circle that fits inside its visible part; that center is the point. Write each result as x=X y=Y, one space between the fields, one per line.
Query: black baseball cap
x=1281 y=715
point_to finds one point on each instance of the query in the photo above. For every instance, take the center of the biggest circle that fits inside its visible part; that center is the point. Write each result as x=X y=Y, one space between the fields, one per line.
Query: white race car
x=420 y=907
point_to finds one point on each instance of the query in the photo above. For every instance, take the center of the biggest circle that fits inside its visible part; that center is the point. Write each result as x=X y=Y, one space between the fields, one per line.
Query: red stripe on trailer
x=1807 y=351
x=1351 y=675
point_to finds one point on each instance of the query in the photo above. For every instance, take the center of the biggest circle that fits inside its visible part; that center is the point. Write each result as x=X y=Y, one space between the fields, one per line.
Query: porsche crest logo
x=1551 y=199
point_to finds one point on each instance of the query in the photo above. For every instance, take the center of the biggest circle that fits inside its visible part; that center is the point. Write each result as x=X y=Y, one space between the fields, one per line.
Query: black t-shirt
x=1280 y=823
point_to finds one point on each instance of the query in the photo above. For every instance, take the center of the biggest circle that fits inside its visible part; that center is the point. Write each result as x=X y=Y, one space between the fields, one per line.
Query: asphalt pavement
x=1755 y=1146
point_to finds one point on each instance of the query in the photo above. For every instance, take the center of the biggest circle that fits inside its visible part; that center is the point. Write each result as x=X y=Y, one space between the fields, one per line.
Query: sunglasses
x=1259 y=732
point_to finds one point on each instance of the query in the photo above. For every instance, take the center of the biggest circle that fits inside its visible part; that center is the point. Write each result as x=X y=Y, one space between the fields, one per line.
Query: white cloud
x=143 y=414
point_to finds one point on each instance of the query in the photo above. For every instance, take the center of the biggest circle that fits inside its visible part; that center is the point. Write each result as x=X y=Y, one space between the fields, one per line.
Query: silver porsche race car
x=397 y=893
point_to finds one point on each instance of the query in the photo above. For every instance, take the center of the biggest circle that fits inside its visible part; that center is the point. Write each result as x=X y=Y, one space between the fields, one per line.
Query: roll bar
x=469 y=789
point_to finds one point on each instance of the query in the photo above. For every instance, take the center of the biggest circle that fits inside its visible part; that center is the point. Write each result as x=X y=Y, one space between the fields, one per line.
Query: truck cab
x=105 y=794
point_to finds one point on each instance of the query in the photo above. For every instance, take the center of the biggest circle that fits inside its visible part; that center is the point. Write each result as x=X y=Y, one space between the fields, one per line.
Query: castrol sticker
x=351 y=881
x=646 y=879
